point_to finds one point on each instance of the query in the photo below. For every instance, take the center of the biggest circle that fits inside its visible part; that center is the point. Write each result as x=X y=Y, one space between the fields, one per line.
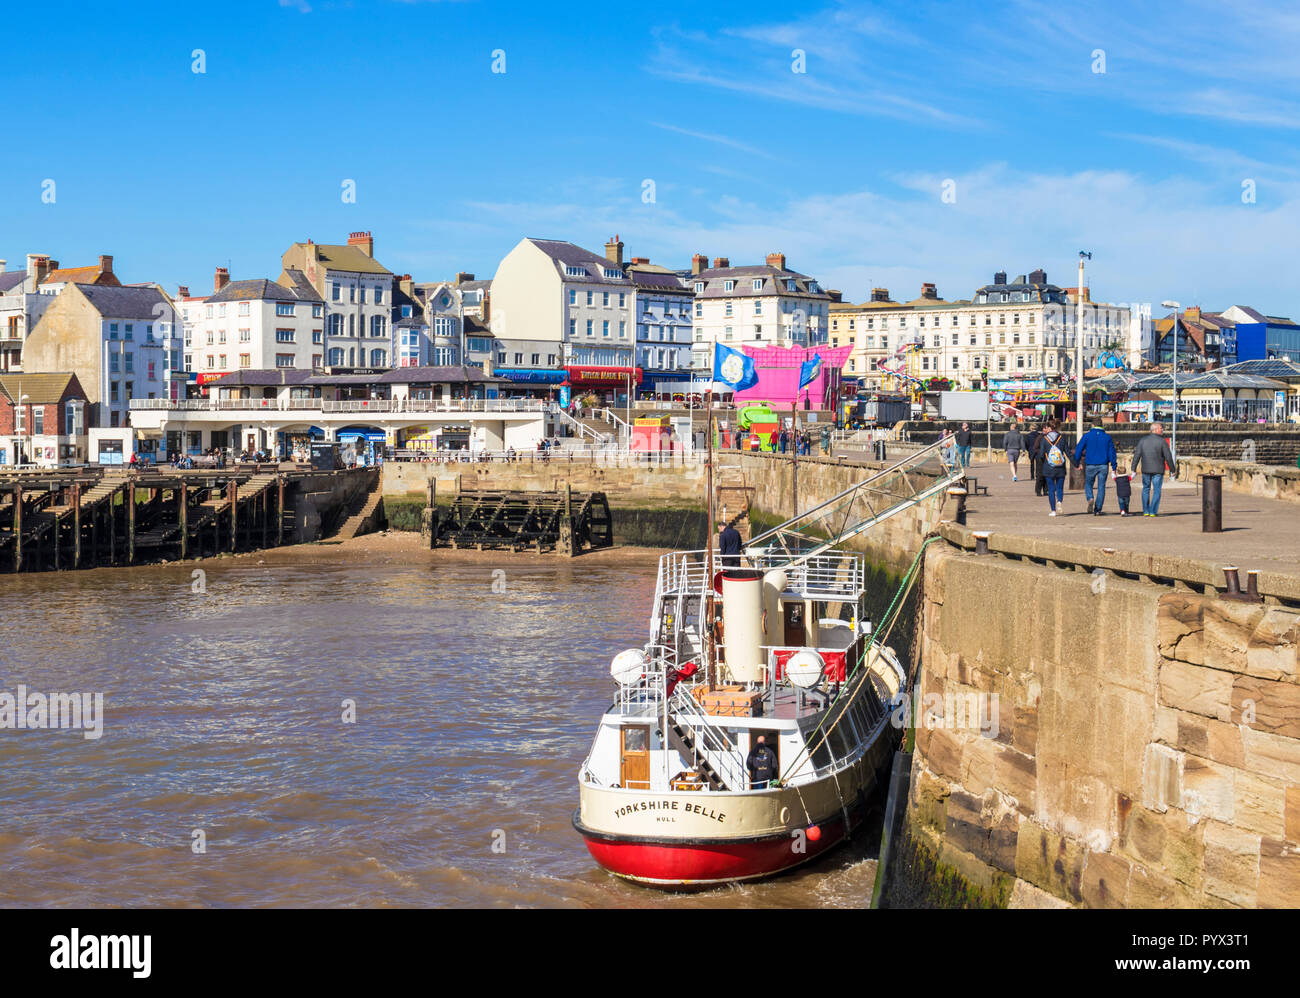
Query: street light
x=1078 y=349
x=1174 y=330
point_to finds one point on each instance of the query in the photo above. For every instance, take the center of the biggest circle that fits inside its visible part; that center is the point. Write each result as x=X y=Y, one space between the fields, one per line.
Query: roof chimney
x=835 y=295
x=106 y=263
x=463 y=276
x=2 y=266
x=699 y=262
x=1000 y=277
x=928 y=291
x=614 y=251
x=880 y=294
x=1038 y=276
x=182 y=291
x=720 y=262
x=362 y=241
x=220 y=279
x=635 y=260
x=776 y=260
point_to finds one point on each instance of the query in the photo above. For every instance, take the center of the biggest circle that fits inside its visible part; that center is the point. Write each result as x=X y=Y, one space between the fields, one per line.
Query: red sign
x=603 y=375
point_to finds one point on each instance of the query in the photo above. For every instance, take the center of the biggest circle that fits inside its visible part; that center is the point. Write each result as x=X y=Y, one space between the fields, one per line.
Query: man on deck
x=729 y=545
x=762 y=764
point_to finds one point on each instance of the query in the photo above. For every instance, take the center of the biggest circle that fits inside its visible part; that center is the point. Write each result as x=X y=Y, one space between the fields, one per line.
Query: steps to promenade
x=360 y=522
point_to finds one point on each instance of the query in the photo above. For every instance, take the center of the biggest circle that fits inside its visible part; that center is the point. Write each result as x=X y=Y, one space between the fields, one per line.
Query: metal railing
x=712 y=743
x=343 y=405
x=907 y=482
x=835 y=576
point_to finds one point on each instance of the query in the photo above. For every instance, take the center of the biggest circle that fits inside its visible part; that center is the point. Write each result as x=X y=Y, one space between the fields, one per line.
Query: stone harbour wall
x=1266 y=481
x=1143 y=749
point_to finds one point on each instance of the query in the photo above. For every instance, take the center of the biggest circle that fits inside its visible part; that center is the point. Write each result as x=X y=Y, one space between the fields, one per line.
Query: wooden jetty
x=82 y=518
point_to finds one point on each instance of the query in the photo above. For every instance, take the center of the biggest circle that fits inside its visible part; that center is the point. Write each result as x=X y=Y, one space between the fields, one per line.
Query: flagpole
x=710 y=652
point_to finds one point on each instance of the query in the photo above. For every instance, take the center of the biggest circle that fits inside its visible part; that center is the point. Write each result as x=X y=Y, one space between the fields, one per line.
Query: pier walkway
x=1258 y=533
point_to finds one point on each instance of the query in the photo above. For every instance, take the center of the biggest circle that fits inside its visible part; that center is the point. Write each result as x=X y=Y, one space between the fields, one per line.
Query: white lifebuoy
x=628 y=666
x=804 y=668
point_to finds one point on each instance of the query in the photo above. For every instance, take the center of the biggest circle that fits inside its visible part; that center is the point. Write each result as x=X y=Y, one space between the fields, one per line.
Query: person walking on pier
x=1096 y=450
x=1035 y=462
x=964 y=441
x=1013 y=442
x=1152 y=456
x=1054 y=450
x=761 y=763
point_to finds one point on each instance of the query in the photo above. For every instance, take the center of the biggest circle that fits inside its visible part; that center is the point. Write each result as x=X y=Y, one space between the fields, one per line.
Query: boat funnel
x=742 y=623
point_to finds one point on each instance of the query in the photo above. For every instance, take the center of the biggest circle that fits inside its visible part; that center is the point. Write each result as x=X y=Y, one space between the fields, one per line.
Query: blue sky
x=842 y=167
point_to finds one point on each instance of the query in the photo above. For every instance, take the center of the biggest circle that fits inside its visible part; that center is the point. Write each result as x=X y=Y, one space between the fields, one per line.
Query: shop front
x=610 y=385
x=527 y=383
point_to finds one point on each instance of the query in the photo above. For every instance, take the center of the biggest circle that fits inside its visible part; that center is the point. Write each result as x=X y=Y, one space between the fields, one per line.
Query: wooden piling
x=76 y=525
x=279 y=510
x=183 y=517
x=130 y=523
x=233 y=490
x=18 y=528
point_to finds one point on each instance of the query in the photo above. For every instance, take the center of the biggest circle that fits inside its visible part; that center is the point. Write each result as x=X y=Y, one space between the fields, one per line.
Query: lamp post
x=1173 y=443
x=22 y=404
x=1078 y=349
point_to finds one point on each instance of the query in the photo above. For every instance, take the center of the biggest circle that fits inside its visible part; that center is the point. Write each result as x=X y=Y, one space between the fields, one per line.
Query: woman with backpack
x=1055 y=453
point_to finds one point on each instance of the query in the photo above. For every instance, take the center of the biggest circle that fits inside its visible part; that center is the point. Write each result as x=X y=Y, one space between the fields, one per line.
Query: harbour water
x=476 y=694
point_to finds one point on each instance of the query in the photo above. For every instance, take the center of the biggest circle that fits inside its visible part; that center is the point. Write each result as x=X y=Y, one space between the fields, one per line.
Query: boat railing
x=835 y=575
x=712 y=743
x=646 y=696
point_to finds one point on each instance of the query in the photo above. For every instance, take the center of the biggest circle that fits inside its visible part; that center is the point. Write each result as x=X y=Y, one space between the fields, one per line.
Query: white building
x=252 y=325
x=555 y=305
x=767 y=305
x=1020 y=331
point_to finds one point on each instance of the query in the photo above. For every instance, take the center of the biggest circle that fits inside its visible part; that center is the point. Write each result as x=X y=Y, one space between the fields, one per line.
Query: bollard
x=981 y=542
x=1252 y=586
x=1211 y=504
x=1233 y=583
x=1075 y=483
x=959 y=494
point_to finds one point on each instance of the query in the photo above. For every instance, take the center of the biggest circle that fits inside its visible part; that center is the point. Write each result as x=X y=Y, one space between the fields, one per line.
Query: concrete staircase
x=732 y=497
x=364 y=519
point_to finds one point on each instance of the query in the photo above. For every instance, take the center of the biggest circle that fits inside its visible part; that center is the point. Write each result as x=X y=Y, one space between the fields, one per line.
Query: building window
x=281 y=308
x=591 y=297
x=622 y=331
x=728 y=285
x=284 y=360
x=316 y=336
x=573 y=327
x=284 y=336
x=699 y=310
x=622 y=299
x=245 y=360
x=605 y=328
x=590 y=329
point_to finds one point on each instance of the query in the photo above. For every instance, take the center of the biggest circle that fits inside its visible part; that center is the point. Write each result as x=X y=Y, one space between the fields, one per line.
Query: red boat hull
x=702 y=863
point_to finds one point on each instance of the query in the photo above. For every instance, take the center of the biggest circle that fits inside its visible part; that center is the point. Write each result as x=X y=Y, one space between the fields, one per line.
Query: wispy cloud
x=721 y=140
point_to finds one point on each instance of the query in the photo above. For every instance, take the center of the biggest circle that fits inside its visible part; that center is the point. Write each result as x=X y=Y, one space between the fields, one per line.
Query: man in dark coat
x=1035 y=462
x=761 y=762
x=729 y=545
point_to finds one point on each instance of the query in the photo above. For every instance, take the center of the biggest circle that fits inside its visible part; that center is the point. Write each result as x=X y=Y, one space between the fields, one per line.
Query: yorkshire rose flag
x=733 y=368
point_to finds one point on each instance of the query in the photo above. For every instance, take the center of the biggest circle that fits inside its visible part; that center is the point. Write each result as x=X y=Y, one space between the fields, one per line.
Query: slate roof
x=303 y=287
x=125 y=303
x=659 y=280
x=773 y=283
x=423 y=375
x=568 y=254
x=259 y=289
x=11 y=279
x=262 y=377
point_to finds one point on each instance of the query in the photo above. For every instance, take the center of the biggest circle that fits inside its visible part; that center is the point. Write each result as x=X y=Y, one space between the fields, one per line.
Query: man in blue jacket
x=1095 y=451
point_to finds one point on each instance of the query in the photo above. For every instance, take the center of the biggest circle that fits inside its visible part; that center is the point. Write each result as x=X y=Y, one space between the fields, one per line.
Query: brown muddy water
x=223 y=712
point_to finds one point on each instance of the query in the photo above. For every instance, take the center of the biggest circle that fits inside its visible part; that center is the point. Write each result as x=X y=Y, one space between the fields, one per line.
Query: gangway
x=907 y=482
